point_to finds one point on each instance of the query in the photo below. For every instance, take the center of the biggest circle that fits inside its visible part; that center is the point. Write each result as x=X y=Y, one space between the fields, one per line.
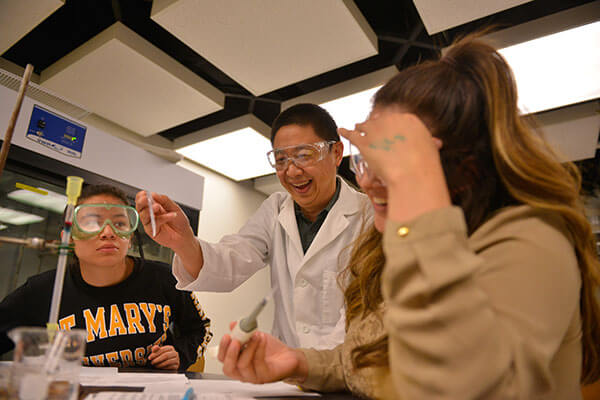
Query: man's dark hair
x=307 y=114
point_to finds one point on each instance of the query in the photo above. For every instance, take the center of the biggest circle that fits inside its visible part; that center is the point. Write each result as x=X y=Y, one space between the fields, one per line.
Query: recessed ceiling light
x=349 y=110
x=239 y=155
x=557 y=70
x=14 y=217
x=52 y=201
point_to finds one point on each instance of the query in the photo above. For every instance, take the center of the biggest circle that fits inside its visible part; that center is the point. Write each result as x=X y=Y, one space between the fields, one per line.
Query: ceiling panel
x=165 y=76
x=127 y=80
x=18 y=17
x=276 y=42
x=572 y=131
x=439 y=15
x=533 y=29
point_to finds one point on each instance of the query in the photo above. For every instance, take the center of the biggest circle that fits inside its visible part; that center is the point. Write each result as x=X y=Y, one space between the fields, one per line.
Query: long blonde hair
x=363 y=292
x=492 y=157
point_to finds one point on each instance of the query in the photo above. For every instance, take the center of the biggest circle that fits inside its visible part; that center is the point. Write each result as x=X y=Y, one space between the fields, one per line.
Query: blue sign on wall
x=56 y=132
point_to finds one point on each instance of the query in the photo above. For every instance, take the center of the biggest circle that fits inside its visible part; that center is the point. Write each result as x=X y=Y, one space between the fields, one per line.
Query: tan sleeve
x=463 y=325
x=325 y=371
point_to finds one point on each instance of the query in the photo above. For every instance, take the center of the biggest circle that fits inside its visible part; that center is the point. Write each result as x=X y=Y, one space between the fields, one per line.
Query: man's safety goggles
x=90 y=219
x=303 y=155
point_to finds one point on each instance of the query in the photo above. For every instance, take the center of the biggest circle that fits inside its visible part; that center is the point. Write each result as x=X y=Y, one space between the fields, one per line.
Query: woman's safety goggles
x=90 y=219
x=359 y=166
x=303 y=155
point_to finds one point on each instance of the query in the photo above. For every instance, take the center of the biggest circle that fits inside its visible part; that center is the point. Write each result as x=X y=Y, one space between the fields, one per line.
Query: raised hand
x=394 y=144
x=173 y=228
x=401 y=151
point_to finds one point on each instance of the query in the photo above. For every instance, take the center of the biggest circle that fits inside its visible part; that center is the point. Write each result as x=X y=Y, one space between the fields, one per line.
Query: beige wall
x=226 y=207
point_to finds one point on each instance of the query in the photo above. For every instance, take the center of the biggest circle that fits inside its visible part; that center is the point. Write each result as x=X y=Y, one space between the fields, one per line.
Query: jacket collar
x=347 y=204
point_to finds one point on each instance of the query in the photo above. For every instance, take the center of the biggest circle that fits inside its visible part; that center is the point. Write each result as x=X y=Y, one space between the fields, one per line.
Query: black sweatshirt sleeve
x=191 y=328
x=18 y=309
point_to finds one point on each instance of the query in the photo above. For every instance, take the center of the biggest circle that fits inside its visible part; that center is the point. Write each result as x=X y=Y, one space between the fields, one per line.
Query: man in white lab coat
x=305 y=234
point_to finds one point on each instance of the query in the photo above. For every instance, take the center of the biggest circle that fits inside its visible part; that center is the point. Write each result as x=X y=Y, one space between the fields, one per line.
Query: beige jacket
x=494 y=316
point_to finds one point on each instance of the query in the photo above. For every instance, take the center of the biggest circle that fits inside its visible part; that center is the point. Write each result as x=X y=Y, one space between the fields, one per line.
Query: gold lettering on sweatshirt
x=149 y=310
x=67 y=323
x=117 y=327
x=132 y=312
x=95 y=326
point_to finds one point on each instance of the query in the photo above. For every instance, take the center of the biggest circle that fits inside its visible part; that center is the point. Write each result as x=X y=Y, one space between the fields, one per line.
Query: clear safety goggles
x=90 y=219
x=303 y=155
x=360 y=167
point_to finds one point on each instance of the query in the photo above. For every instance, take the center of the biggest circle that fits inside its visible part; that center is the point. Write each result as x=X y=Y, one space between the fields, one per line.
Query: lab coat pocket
x=332 y=298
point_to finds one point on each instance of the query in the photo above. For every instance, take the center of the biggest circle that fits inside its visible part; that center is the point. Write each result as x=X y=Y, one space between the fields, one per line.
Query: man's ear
x=338 y=152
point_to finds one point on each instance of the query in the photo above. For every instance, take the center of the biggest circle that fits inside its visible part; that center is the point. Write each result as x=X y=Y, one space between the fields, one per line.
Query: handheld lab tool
x=152 y=218
x=245 y=327
x=73 y=191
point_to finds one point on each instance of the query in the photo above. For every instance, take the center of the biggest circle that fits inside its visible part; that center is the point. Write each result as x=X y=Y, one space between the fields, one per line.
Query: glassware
x=46 y=363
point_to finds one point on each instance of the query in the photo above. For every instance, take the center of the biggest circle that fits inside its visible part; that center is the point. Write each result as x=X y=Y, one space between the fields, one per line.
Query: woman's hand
x=401 y=151
x=262 y=359
x=164 y=357
x=394 y=144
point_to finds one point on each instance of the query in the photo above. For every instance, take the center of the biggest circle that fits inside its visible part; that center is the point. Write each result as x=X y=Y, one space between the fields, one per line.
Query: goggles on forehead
x=90 y=219
x=302 y=155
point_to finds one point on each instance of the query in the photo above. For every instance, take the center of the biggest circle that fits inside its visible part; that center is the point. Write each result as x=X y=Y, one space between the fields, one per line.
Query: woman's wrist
x=301 y=372
x=414 y=196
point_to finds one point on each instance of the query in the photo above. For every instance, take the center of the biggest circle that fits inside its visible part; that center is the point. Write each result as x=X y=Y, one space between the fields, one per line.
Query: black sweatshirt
x=122 y=321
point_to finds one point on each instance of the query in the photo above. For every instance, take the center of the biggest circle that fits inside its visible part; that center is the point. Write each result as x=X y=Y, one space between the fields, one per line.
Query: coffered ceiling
x=171 y=68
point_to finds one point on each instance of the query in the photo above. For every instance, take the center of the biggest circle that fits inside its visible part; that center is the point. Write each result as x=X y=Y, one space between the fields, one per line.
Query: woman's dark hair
x=102 y=189
x=307 y=114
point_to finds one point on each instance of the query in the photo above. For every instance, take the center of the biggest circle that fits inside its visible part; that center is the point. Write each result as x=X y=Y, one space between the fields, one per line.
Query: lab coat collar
x=335 y=223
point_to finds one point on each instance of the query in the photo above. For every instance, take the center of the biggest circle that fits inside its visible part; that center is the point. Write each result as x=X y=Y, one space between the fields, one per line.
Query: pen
x=152 y=219
x=189 y=394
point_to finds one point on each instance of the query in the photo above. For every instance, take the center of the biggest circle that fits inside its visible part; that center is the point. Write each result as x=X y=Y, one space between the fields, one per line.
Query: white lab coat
x=309 y=304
